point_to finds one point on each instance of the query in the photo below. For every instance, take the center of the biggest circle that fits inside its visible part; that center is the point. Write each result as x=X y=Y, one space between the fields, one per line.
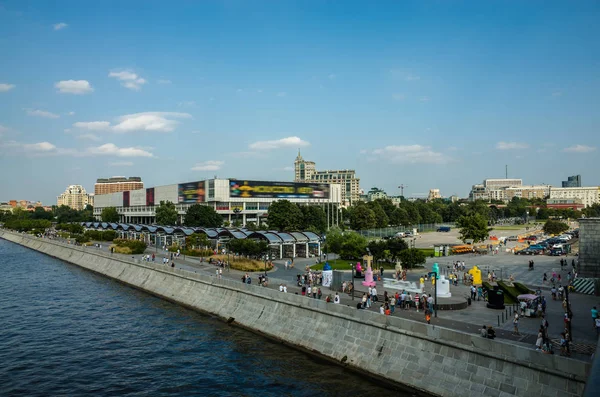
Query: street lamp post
x=569 y=314
x=352 y=265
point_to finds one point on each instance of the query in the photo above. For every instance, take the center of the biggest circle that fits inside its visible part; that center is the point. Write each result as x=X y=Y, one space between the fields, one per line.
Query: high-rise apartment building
x=572 y=181
x=117 y=184
x=493 y=189
x=75 y=197
x=305 y=171
x=586 y=195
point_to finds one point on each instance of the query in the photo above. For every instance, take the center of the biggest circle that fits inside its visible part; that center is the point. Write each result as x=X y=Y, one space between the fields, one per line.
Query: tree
x=412 y=257
x=197 y=240
x=381 y=219
x=395 y=246
x=362 y=217
x=399 y=217
x=353 y=246
x=110 y=215
x=473 y=226
x=284 y=215
x=313 y=218
x=378 y=249
x=41 y=213
x=333 y=240
x=555 y=227
x=202 y=216
x=166 y=213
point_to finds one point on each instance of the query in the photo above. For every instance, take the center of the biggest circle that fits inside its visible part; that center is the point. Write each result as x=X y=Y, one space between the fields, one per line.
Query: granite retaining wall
x=426 y=358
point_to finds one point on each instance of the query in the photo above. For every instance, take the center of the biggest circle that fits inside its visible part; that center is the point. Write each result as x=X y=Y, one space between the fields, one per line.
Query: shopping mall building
x=235 y=199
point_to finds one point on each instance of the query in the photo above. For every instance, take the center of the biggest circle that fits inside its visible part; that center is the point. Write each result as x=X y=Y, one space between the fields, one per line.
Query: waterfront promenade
x=432 y=358
x=469 y=320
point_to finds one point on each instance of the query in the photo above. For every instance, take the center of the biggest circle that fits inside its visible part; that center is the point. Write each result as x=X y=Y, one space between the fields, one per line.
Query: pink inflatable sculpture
x=369 y=278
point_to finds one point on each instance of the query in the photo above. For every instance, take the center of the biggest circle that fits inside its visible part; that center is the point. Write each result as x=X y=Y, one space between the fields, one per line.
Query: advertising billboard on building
x=263 y=189
x=126 y=199
x=150 y=196
x=191 y=192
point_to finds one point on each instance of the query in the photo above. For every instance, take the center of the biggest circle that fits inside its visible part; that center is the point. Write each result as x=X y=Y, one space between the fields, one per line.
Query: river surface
x=65 y=331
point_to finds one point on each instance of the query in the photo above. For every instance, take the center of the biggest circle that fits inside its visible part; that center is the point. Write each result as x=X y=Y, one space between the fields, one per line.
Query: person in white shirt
x=309 y=291
x=280 y=287
x=285 y=289
x=374 y=296
x=336 y=299
x=381 y=310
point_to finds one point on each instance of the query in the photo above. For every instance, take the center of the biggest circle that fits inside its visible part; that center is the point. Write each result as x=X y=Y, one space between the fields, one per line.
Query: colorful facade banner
x=150 y=197
x=126 y=200
x=263 y=189
x=191 y=192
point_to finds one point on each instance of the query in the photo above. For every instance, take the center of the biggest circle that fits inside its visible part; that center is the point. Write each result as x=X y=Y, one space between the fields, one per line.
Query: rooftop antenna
x=401 y=187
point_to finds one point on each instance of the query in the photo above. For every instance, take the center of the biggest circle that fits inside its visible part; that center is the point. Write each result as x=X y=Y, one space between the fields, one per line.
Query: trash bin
x=469 y=301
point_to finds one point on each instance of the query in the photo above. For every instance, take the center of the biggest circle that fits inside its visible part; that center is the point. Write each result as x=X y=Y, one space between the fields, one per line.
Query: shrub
x=81 y=238
x=121 y=250
x=136 y=246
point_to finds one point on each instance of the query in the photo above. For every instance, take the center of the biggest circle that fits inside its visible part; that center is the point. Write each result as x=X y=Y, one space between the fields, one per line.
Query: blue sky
x=429 y=94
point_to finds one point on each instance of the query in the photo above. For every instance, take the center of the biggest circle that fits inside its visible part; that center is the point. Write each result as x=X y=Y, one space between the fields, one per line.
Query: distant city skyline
x=415 y=93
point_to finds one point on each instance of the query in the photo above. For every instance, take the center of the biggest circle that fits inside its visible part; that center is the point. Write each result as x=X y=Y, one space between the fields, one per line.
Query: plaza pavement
x=468 y=320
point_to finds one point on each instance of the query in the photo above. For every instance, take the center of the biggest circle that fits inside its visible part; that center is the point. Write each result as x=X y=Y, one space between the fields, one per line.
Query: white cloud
x=164 y=81
x=404 y=75
x=42 y=113
x=6 y=87
x=59 y=26
x=67 y=130
x=292 y=141
x=39 y=147
x=511 y=145
x=398 y=97
x=282 y=94
x=210 y=165
x=92 y=125
x=3 y=128
x=147 y=121
x=189 y=104
x=580 y=149
x=412 y=154
x=110 y=149
x=128 y=79
x=121 y=163
x=71 y=114
x=77 y=87
x=90 y=137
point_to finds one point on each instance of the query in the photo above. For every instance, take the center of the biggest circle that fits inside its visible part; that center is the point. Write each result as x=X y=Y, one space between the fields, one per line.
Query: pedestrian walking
x=594 y=316
x=516 y=325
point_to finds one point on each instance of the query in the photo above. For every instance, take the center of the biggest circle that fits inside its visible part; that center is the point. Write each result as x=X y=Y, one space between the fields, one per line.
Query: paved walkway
x=469 y=320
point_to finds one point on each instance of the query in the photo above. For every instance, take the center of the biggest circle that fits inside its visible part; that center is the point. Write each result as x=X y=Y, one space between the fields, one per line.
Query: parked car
x=532 y=238
x=512 y=238
x=444 y=229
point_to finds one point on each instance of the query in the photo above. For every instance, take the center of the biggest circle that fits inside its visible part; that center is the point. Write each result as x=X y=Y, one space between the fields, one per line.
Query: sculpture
x=436 y=270
x=369 y=278
x=476 y=273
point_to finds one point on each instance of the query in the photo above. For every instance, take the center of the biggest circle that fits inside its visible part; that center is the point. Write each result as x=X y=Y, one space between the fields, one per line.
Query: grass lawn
x=343 y=264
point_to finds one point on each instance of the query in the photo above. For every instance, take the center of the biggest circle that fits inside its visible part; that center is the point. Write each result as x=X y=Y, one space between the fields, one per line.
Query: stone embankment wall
x=589 y=248
x=424 y=357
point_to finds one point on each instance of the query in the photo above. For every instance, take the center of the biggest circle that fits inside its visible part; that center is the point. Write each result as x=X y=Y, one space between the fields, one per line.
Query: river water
x=65 y=331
